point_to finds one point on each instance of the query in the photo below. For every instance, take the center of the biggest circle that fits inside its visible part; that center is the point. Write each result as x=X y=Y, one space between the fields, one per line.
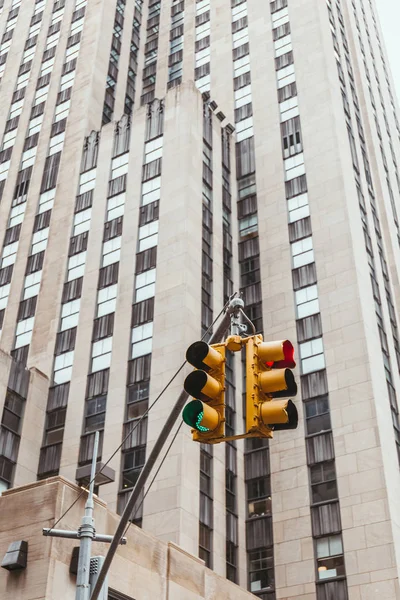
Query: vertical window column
x=138 y=382
x=133 y=58
x=232 y=541
x=151 y=52
x=325 y=510
x=206 y=505
x=50 y=456
x=11 y=423
x=112 y=75
x=202 y=46
x=175 y=58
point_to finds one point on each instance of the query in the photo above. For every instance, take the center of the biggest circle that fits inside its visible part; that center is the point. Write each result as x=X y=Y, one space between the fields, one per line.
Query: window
x=13 y=410
x=298 y=208
x=108 y=276
x=312 y=356
x=76 y=266
x=50 y=172
x=323 y=482
x=205 y=544
x=319 y=448
x=153 y=150
x=106 y=300
x=302 y=252
x=70 y=314
x=103 y=327
x=145 y=285
x=82 y=221
x=115 y=206
x=261 y=570
x=317 y=415
x=101 y=354
x=133 y=462
x=205 y=473
x=119 y=165
x=258 y=495
x=332 y=590
x=142 y=340
x=55 y=421
x=95 y=413
x=307 y=301
x=63 y=367
x=291 y=137
x=137 y=400
x=330 y=560
x=151 y=190
x=231 y=561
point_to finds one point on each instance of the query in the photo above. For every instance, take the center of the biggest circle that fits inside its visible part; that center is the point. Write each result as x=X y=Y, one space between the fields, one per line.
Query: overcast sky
x=389 y=15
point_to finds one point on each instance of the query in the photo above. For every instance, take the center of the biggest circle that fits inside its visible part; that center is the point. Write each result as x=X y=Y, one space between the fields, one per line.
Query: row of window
x=151 y=52
x=379 y=88
x=319 y=443
x=232 y=541
x=138 y=384
x=206 y=452
x=368 y=243
x=133 y=58
x=175 y=58
x=202 y=46
x=259 y=543
x=112 y=75
x=50 y=456
x=42 y=221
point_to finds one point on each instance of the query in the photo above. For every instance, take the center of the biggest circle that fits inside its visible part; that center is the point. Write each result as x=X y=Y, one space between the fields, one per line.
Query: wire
x=248 y=320
x=137 y=423
x=155 y=475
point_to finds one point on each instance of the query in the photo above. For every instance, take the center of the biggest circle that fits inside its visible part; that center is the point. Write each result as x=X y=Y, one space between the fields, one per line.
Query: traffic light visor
x=279 y=414
x=278 y=383
x=277 y=355
x=203 y=356
x=201 y=385
x=200 y=416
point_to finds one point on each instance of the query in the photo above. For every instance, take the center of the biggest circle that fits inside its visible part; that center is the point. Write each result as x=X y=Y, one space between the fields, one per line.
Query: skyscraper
x=155 y=157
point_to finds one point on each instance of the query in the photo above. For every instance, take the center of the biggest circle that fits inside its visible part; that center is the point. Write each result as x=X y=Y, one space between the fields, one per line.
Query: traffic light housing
x=206 y=413
x=269 y=376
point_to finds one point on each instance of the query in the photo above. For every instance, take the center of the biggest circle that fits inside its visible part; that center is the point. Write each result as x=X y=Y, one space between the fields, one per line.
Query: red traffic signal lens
x=288 y=361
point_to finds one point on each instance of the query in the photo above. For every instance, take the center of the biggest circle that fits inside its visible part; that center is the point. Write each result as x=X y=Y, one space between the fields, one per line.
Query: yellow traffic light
x=206 y=414
x=268 y=376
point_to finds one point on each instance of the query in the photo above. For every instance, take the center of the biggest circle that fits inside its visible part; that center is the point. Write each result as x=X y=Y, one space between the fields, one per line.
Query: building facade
x=156 y=157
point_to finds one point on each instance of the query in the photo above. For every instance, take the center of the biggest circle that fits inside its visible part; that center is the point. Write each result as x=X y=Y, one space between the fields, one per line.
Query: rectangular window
x=298 y=208
x=261 y=570
x=330 y=560
x=106 y=300
x=307 y=301
x=312 y=356
x=133 y=462
x=302 y=252
x=70 y=314
x=63 y=367
x=95 y=413
x=205 y=544
x=317 y=415
x=142 y=340
x=323 y=482
x=101 y=354
x=76 y=266
x=111 y=251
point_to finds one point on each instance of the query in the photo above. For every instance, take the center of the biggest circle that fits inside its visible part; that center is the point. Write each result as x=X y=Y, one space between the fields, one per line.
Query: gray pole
x=154 y=454
x=87 y=533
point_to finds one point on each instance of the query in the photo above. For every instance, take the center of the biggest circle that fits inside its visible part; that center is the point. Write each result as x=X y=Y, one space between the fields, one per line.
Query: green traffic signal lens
x=193 y=414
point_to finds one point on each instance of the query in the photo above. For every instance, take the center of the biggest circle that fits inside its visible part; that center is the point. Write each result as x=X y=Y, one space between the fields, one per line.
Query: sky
x=389 y=15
